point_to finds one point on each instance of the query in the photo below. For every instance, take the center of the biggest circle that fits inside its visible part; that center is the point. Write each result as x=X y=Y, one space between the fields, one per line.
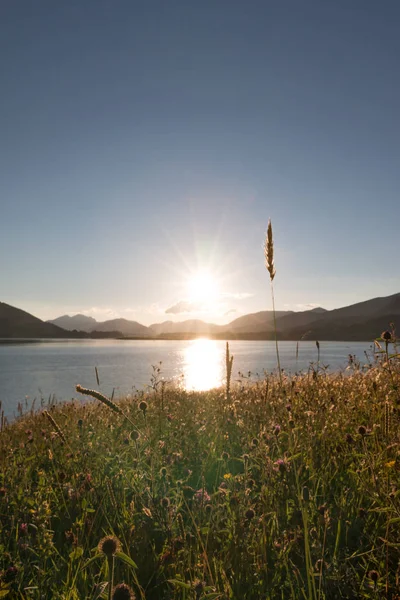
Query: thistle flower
x=269 y=252
x=362 y=430
x=123 y=592
x=250 y=514
x=387 y=336
x=109 y=546
x=281 y=465
x=374 y=575
x=143 y=407
x=165 y=502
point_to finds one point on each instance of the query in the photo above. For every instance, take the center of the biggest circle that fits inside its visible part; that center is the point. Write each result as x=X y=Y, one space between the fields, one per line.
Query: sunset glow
x=202 y=365
x=203 y=287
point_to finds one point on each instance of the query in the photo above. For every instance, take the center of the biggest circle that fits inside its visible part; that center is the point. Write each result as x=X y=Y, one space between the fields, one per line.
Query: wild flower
x=280 y=465
x=165 y=502
x=122 y=591
x=250 y=514
x=202 y=495
x=109 y=546
x=143 y=407
x=374 y=575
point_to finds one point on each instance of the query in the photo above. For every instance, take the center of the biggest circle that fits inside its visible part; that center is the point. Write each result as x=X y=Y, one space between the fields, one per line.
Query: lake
x=46 y=368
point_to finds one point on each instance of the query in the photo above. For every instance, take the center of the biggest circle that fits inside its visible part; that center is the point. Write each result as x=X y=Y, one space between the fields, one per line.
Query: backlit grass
x=268 y=491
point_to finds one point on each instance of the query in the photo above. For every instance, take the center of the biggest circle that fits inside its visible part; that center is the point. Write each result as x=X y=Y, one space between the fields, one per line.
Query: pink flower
x=202 y=496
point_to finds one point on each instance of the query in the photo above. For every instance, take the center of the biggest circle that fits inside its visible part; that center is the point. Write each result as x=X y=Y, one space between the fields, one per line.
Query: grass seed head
x=269 y=252
x=101 y=397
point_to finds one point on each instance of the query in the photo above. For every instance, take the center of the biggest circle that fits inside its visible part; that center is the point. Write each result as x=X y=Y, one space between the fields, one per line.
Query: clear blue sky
x=141 y=141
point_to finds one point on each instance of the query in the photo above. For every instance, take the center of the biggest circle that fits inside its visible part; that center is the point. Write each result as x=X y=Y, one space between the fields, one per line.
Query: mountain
x=78 y=322
x=262 y=321
x=16 y=323
x=362 y=321
x=126 y=327
x=194 y=326
x=119 y=327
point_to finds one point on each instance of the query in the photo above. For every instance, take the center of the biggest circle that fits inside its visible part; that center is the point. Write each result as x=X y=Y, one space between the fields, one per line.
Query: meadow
x=287 y=488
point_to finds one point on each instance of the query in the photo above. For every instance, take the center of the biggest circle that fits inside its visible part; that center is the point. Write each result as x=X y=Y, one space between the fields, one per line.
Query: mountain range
x=361 y=321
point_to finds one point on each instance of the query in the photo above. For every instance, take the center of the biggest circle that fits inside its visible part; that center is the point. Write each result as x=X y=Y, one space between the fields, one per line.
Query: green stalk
x=276 y=335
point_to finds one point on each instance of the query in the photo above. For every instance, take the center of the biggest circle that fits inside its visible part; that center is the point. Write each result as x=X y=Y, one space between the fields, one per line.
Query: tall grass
x=269 y=263
x=289 y=491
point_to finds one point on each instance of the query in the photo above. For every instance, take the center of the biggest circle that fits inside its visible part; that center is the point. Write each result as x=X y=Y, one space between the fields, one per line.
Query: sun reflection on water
x=203 y=365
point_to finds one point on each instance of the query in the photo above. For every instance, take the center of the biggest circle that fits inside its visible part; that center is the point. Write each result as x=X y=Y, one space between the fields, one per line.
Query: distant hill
x=126 y=327
x=16 y=323
x=120 y=327
x=193 y=326
x=78 y=322
x=255 y=322
x=361 y=321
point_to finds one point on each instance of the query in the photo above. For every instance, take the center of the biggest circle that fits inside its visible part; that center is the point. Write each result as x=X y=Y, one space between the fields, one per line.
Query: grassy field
x=280 y=489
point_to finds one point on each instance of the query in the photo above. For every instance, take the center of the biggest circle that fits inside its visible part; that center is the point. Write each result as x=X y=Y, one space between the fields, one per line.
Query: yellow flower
x=390 y=465
x=227 y=476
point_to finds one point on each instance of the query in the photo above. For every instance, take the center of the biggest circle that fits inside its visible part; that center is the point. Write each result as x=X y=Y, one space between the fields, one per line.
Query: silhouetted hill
x=254 y=322
x=16 y=323
x=362 y=321
x=78 y=322
x=126 y=327
x=191 y=326
x=302 y=319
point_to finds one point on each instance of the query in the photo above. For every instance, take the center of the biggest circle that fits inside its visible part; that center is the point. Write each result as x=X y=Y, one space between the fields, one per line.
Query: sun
x=203 y=287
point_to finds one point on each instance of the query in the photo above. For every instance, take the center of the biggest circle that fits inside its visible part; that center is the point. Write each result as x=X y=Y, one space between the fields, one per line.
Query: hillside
x=77 y=322
x=126 y=327
x=191 y=326
x=16 y=323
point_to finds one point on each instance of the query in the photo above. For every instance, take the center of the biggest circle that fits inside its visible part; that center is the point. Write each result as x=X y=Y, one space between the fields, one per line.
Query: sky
x=145 y=144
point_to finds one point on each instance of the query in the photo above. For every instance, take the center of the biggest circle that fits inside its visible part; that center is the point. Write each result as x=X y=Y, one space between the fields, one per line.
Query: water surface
x=43 y=369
